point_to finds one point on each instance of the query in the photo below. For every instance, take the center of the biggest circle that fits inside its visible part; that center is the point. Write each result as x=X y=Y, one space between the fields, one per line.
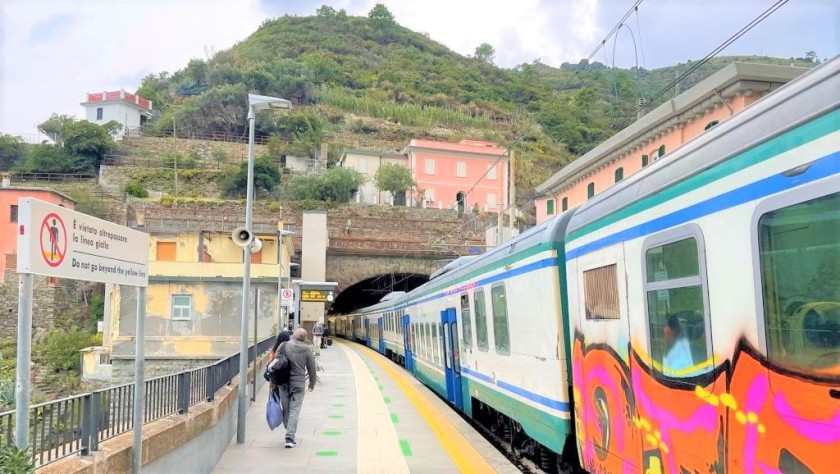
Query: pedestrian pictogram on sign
x=287 y=297
x=53 y=239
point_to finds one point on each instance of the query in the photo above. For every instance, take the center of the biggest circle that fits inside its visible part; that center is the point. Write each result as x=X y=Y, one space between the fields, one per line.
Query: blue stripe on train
x=542 y=400
x=820 y=168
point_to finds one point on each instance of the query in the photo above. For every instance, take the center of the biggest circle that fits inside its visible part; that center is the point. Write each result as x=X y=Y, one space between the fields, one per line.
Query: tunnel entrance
x=369 y=291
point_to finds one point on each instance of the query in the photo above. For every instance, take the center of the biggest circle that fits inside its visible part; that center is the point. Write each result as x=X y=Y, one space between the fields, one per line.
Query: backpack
x=279 y=370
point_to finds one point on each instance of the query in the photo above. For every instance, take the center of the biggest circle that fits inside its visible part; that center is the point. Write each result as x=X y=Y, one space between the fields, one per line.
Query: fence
x=58 y=177
x=213 y=136
x=78 y=424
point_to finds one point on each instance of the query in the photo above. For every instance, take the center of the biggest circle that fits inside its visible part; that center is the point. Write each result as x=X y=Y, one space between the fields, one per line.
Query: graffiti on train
x=747 y=415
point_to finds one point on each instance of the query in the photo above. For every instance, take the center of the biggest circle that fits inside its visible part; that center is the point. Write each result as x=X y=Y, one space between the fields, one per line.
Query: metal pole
x=246 y=289
x=139 y=380
x=24 y=361
x=254 y=372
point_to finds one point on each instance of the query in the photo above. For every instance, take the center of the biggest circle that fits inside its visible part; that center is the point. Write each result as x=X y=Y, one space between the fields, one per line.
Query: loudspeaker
x=242 y=236
x=256 y=245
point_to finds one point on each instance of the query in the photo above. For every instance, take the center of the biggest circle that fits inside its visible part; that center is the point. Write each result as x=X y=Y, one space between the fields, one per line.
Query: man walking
x=302 y=363
x=317 y=334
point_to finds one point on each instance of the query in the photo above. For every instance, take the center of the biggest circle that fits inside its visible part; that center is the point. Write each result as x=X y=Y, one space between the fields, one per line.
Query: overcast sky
x=53 y=52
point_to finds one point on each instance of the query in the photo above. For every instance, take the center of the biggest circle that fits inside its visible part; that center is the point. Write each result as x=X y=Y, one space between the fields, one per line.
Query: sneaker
x=291 y=444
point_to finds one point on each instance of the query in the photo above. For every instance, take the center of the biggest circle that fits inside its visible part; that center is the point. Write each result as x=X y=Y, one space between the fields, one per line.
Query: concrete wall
x=313 y=261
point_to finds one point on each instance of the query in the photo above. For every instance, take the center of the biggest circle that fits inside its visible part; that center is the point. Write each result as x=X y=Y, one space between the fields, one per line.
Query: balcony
x=211 y=269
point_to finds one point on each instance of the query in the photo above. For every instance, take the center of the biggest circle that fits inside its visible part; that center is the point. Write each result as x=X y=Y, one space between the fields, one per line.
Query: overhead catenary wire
x=755 y=21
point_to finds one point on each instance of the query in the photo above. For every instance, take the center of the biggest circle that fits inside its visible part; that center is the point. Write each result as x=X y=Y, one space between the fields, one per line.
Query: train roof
x=815 y=93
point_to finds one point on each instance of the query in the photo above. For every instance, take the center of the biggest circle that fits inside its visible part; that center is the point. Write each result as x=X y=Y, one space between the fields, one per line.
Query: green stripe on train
x=430 y=378
x=548 y=430
x=788 y=141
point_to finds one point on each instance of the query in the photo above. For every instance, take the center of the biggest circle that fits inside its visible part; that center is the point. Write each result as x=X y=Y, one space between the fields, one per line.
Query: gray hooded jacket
x=302 y=360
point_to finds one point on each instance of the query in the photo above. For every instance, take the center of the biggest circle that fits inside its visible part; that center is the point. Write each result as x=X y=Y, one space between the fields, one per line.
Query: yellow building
x=193 y=302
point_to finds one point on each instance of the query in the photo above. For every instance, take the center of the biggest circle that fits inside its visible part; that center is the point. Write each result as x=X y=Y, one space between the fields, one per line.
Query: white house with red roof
x=128 y=109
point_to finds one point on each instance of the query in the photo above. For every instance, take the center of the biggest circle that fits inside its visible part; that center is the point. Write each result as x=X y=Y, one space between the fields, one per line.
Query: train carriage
x=704 y=294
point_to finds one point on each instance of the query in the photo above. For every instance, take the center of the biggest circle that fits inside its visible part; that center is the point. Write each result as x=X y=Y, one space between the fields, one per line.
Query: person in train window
x=678 y=350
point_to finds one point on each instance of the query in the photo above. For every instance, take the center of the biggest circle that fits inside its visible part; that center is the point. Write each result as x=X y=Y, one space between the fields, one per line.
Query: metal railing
x=53 y=177
x=78 y=424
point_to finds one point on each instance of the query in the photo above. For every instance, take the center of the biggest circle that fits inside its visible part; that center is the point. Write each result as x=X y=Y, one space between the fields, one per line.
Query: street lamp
x=255 y=102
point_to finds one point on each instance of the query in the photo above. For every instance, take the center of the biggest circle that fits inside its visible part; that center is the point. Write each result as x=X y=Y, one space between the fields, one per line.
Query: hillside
x=369 y=82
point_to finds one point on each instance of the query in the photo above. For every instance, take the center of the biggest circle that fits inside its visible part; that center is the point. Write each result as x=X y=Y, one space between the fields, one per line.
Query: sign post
x=58 y=242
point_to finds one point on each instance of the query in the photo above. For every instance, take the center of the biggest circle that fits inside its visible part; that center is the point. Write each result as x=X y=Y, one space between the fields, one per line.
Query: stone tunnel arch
x=366 y=274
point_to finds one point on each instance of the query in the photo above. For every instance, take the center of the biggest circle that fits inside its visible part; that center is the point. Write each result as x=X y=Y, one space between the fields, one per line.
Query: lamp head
x=265 y=102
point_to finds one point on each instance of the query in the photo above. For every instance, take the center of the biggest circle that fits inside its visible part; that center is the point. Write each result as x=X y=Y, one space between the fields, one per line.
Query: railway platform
x=366 y=414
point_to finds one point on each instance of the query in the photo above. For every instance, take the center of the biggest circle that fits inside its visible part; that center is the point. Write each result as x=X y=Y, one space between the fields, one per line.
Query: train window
x=466 y=317
x=426 y=343
x=436 y=340
x=799 y=251
x=480 y=319
x=600 y=292
x=677 y=322
x=501 y=332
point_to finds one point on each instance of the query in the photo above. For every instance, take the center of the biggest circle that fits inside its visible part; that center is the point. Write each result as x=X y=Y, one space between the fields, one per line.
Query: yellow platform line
x=463 y=454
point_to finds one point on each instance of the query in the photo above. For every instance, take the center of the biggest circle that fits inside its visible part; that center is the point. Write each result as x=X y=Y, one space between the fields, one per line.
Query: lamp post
x=255 y=102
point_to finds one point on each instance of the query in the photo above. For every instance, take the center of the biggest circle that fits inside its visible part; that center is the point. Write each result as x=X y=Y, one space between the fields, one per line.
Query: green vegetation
x=14 y=460
x=266 y=177
x=136 y=189
x=60 y=349
x=12 y=151
x=395 y=179
x=334 y=185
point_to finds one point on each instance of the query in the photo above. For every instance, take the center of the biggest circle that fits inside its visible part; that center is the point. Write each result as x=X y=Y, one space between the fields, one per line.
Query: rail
x=59 y=177
x=78 y=424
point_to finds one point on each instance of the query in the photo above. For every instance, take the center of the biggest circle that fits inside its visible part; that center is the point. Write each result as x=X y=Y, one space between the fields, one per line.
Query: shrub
x=60 y=350
x=166 y=201
x=136 y=189
x=15 y=461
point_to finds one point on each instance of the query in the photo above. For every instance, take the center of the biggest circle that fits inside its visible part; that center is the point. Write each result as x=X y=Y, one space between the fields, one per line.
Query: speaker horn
x=256 y=245
x=242 y=237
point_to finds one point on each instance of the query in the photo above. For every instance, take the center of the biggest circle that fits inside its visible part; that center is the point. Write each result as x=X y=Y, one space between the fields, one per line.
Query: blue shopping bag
x=274 y=410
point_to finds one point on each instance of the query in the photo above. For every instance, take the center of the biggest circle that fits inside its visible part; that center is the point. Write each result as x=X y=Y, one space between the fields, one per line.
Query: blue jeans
x=291 y=396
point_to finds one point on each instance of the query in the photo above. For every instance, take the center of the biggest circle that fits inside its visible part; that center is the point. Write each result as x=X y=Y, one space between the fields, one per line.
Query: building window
x=564 y=204
x=501 y=331
x=491 y=199
x=430 y=195
x=619 y=174
x=430 y=166
x=461 y=169
x=676 y=308
x=799 y=247
x=590 y=190
x=491 y=172
x=13 y=213
x=644 y=160
x=711 y=124
x=549 y=207
x=181 y=307
x=480 y=319
x=363 y=165
x=99 y=113
x=165 y=251
x=661 y=151
x=600 y=292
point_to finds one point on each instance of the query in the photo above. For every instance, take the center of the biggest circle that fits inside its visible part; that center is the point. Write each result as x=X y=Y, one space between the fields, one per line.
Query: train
x=686 y=319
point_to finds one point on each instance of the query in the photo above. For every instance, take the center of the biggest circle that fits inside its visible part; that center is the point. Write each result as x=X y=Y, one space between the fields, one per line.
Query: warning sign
x=53 y=239
x=287 y=296
x=59 y=242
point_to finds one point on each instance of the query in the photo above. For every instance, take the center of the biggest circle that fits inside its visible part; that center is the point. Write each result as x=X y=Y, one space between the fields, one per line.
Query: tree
x=325 y=11
x=53 y=127
x=266 y=177
x=394 y=178
x=88 y=143
x=46 y=158
x=334 y=185
x=380 y=14
x=12 y=151
x=811 y=57
x=485 y=53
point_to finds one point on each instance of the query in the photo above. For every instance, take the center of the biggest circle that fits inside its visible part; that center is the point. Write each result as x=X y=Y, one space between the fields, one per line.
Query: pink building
x=459 y=174
x=661 y=131
x=9 y=218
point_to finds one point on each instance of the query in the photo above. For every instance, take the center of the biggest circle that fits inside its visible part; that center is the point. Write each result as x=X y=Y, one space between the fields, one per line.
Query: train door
x=381 y=334
x=451 y=357
x=409 y=359
x=367 y=332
